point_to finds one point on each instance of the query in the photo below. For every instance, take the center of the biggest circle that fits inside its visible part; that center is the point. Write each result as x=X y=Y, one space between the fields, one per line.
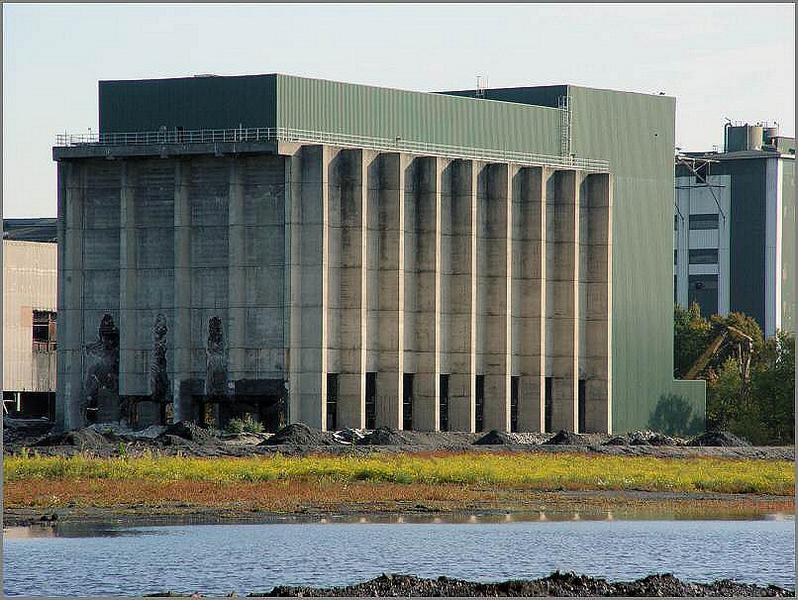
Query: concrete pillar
x=308 y=185
x=388 y=191
x=427 y=193
x=350 y=188
x=129 y=325
x=181 y=395
x=529 y=293
x=496 y=231
x=71 y=343
x=236 y=281
x=597 y=283
x=562 y=301
x=463 y=295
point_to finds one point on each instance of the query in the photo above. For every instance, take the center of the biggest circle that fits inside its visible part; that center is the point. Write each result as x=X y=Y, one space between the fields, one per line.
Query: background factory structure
x=734 y=227
x=352 y=256
x=29 y=317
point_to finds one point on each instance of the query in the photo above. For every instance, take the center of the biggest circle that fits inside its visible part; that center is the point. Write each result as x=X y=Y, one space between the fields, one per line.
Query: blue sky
x=735 y=61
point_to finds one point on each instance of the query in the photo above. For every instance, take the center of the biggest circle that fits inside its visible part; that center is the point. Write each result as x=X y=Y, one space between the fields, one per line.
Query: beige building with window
x=29 y=324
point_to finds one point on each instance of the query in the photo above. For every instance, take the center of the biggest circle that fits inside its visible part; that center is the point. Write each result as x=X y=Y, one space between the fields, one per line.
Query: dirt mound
x=85 y=439
x=617 y=440
x=556 y=584
x=567 y=438
x=385 y=436
x=495 y=438
x=652 y=438
x=298 y=434
x=188 y=431
x=718 y=438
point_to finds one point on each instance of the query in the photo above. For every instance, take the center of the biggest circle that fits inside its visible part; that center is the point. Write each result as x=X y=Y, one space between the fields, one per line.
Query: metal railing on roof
x=281 y=134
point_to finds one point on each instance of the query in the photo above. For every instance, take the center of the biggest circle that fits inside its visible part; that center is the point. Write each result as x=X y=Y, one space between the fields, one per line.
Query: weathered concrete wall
x=201 y=280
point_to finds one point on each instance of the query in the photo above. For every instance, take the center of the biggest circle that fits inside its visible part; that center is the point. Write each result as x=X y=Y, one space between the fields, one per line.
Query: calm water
x=218 y=559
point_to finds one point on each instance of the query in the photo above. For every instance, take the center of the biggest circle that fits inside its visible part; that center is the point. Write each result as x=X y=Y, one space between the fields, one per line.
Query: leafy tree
x=773 y=387
x=692 y=336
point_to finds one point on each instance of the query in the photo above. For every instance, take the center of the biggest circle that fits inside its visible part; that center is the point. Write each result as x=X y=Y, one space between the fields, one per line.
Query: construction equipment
x=743 y=351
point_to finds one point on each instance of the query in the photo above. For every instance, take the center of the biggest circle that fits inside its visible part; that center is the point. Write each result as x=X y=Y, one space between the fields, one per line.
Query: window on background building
x=704 y=221
x=675 y=256
x=332 y=401
x=480 y=403
x=675 y=222
x=371 y=400
x=703 y=289
x=407 y=402
x=704 y=256
x=444 y=405
x=44 y=330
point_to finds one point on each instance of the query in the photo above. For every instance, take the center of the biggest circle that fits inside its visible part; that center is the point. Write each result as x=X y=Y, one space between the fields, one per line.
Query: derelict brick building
x=351 y=256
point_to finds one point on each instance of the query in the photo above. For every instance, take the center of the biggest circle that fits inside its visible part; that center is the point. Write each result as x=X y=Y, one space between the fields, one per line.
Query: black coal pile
x=385 y=436
x=299 y=434
x=188 y=431
x=495 y=438
x=652 y=438
x=84 y=439
x=556 y=584
x=617 y=441
x=567 y=438
x=718 y=438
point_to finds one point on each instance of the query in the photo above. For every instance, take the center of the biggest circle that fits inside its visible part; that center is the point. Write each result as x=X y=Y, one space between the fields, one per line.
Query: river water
x=218 y=559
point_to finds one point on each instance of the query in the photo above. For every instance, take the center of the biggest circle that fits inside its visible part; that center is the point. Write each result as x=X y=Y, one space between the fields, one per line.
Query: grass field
x=553 y=472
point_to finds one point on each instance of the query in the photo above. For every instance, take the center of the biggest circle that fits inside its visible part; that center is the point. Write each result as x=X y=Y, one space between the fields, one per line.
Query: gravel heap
x=495 y=438
x=188 y=431
x=567 y=438
x=299 y=434
x=556 y=584
x=385 y=436
x=85 y=439
x=718 y=438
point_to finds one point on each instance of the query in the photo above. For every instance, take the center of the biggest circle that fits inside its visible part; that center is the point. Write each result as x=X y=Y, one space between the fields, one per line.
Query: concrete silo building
x=352 y=256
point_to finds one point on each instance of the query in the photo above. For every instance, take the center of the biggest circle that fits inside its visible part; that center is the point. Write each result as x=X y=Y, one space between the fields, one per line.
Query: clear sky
x=735 y=61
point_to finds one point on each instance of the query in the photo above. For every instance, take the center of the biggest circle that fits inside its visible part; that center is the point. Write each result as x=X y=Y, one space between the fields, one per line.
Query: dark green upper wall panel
x=188 y=102
x=336 y=107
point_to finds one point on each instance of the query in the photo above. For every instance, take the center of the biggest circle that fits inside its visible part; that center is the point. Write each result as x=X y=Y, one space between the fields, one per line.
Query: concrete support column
x=426 y=407
x=563 y=299
x=349 y=178
x=497 y=279
x=388 y=191
x=529 y=293
x=128 y=283
x=71 y=343
x=308 y=185
x=236 y=281
x=463 y=295
x=183 y=409
x=597 y=281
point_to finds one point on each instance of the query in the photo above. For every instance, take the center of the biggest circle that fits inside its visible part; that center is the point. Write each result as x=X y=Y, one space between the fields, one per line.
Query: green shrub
x=247 y=424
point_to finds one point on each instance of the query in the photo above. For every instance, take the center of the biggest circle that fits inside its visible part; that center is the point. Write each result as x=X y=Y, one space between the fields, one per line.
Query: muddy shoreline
x=584 y=505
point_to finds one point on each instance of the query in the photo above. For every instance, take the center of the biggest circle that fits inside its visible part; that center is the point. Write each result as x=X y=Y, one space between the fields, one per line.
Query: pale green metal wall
x=336 y=107
x=635 y=132
x=788 y=245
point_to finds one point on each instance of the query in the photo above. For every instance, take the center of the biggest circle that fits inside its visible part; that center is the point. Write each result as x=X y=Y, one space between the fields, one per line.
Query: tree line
x=753 y=400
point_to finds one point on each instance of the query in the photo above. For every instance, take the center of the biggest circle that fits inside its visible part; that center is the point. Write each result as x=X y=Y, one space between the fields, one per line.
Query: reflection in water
x=336 y=550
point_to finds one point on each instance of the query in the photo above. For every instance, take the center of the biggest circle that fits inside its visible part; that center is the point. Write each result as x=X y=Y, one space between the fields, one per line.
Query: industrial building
x=29 y=317
x=734 y=227
x=352 y=256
